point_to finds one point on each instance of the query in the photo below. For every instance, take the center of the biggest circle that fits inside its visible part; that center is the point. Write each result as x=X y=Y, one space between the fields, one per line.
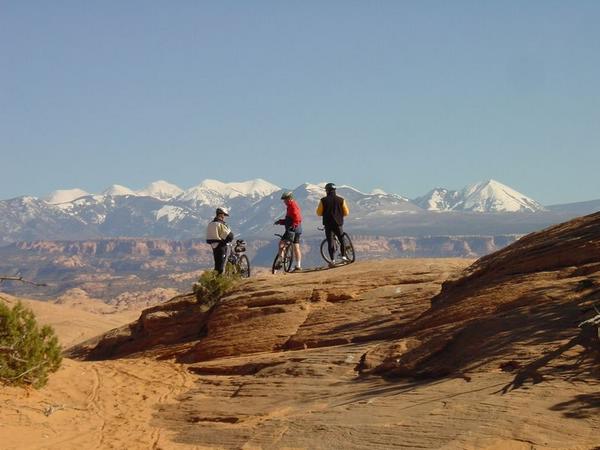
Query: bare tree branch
x=21 y=279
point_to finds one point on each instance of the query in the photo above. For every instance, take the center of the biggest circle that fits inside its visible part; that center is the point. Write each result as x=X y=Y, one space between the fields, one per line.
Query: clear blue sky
x=402 y=95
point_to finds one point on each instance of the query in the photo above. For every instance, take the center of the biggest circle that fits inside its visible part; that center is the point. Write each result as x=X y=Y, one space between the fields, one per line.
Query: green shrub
x=211 y=286
x=28 y=353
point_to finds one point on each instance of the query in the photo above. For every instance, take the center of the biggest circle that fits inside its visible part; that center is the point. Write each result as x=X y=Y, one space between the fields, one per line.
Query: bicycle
x=284 y=263
x=237 y=262
x=337 y=254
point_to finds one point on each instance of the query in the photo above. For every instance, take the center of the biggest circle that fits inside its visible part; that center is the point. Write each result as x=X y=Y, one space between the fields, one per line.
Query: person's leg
x=220 y=253
x=330 y=242
x=297 y=252
x=216 y=254
x=338 y=230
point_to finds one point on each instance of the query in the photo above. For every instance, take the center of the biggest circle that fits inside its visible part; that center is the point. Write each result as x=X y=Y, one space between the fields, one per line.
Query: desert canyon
x=391 y=353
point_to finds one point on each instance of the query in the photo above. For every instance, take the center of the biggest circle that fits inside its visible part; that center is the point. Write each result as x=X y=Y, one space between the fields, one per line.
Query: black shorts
x=292 y=236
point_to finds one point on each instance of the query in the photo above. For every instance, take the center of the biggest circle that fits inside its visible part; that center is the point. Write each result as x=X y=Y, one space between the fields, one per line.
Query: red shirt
x=293 y=216
x=293 y=213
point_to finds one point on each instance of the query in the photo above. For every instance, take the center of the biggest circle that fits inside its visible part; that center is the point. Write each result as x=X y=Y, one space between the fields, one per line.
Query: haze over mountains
x=164 y=210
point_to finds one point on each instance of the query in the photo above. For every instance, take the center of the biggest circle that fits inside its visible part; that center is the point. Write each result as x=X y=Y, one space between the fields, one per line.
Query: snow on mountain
x=378 y=191
x=438 y=199
x=162 y=190
x=64 y=196
x=170 y=212
x=214 y=192
x=493 y=196
x=116 y=190
x=484 y=196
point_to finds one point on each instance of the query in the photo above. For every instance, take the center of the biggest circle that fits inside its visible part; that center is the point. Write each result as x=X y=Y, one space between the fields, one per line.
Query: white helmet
x=222 y=211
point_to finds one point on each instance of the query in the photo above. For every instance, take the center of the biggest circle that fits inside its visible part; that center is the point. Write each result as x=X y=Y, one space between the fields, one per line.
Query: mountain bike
x=284 y=263
x=237 y=262
x=337 y=254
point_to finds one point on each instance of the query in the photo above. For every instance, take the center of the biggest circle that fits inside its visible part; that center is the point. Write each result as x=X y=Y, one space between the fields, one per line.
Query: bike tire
x=277 y=264
x=348 y=247
x=288 y=257
x=325 y=249
x=244 y=266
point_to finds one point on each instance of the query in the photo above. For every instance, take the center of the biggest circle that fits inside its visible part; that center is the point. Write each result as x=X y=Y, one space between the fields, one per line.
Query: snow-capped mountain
x=163 y=210
x=162 y=190
x=438 y=199
x=215 y=193
x=65 y=195
x=493 y=196
x=117 y=190
x=489 y=196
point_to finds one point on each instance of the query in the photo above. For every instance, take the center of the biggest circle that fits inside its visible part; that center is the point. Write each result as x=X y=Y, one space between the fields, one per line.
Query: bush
x=211 y=286
x=28 y=353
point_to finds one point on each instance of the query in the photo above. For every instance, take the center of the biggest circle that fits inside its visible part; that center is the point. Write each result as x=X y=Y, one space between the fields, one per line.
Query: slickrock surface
x=517 y=309
x=356 y=303
x=370 y=355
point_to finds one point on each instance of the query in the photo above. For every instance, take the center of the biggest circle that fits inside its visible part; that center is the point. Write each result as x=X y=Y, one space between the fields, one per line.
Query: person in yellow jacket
x=333 y=209
x=218 y=235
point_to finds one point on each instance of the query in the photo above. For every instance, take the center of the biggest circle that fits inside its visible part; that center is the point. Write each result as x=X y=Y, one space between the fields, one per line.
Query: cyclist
x=333 y=209
x=293 y=228
x=218 y=235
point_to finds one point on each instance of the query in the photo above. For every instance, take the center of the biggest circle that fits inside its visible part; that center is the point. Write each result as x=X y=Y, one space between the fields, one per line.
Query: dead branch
x=592 y=322
x=21 y=279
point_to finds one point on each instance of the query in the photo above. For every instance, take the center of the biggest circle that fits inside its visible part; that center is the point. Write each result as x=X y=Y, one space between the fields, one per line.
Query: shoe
x=331 y=264
x=296 y=269
x=345 y=259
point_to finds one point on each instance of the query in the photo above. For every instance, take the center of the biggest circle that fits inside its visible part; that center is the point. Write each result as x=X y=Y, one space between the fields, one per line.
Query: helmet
x=222 y=211
x=287 y=195
x=330 y=187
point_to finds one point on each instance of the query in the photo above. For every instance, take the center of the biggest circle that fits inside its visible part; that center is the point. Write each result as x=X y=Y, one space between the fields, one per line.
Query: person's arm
x=345 y=209
x=225 y=233
x=320 y=208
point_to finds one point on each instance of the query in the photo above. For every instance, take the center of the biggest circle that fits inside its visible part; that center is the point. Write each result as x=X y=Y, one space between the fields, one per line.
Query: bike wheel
x=325 y=249
x=288 y=257
x=348 y=247
x=277 y=263
x=243 y=266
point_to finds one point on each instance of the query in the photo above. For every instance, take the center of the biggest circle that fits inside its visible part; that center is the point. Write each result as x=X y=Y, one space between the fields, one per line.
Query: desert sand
x=377 y=354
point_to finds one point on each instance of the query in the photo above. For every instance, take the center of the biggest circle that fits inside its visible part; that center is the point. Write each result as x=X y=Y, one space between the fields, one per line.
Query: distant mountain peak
x=115 y=190
x=64 y=195
x=162 y=190
x=438 y=199
x=493 y=196
x=214 y=192
x=483 y=196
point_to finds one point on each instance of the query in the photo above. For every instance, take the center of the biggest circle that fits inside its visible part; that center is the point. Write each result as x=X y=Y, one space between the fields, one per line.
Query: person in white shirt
x=218 y=234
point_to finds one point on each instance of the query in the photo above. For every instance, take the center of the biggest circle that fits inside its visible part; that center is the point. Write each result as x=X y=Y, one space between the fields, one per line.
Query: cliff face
x=260 y=251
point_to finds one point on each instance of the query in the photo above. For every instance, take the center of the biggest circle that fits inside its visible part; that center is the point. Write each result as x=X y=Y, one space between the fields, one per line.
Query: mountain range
x=164 y=210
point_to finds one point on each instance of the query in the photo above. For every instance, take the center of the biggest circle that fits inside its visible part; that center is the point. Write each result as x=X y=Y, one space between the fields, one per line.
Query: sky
x=399 y=95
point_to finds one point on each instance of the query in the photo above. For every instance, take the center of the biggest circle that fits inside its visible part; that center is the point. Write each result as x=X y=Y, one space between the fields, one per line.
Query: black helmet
x=222 y=211
x=330 y=187
x=287 y=195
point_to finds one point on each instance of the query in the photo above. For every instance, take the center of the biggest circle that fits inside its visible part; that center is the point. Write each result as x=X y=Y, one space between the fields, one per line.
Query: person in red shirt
x=293 y=228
